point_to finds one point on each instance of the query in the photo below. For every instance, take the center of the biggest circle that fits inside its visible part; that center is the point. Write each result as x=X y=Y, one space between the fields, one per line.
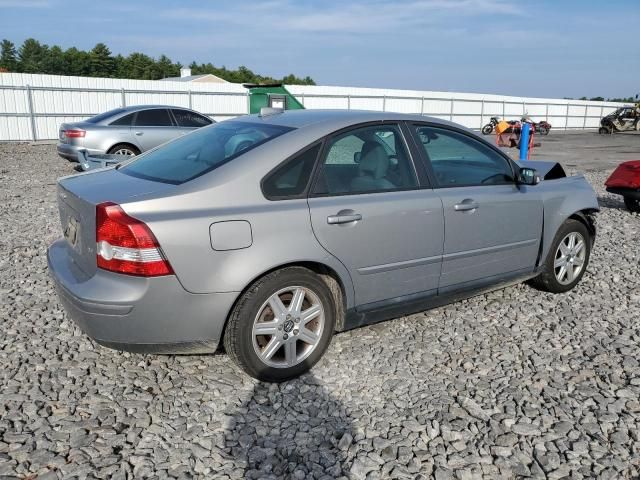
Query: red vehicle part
x=627 y=175
x=625 y=181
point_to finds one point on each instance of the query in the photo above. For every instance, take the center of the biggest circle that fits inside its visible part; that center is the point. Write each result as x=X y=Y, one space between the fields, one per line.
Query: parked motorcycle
x=542 y=127
x=489 y=127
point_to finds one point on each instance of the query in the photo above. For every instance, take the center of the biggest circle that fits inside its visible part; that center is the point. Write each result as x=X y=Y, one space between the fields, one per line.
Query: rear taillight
x=75 y=133
x=127 y=245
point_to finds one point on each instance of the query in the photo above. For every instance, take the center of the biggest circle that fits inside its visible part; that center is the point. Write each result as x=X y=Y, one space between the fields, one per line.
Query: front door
x=492 y=226
x=154 y=127
x=368 y=211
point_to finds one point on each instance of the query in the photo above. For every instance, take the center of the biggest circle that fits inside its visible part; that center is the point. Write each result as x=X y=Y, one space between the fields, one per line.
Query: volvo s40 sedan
x=128 y=131
x=329 y=220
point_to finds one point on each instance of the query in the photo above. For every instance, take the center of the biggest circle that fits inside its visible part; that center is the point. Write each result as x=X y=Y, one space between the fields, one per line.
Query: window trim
x=127 y=114
x=412 y=125
x=290 y=159
x=323 y=155
x=168 y=110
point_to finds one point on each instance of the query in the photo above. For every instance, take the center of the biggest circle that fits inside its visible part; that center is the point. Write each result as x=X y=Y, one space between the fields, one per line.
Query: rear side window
x=157 y=117
x=124 y=121
x=200 y=152
x=105 y=115
x=290 y=180
x=185 y=118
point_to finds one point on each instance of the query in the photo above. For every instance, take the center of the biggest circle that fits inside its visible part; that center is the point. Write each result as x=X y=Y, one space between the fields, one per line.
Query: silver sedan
x=268 y=233
x=128 y=131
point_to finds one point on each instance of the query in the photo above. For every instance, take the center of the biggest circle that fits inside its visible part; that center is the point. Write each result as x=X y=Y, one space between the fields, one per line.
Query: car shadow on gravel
x=611 y=202
x=291 y=430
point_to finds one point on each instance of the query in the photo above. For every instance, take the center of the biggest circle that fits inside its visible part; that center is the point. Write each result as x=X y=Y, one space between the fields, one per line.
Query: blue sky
x=541 y=48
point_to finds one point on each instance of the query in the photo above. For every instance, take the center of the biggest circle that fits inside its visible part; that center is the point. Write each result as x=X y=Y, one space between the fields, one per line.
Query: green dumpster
x=272 y=95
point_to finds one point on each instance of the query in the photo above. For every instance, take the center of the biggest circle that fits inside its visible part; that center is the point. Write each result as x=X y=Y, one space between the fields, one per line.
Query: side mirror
x=528 y=176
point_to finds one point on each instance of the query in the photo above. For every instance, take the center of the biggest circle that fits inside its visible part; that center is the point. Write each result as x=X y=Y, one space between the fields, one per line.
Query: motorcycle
x=489 y=127
x=542 y=127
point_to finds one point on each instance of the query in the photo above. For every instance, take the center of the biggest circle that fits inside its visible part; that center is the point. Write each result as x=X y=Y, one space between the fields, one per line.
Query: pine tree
x=8 y=56
x=102 y=64
x=31 y=56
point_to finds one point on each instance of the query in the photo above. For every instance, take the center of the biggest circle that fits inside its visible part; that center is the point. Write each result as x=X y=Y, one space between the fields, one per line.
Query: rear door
x=492 y=225
x=369 y=211
x=153 y=127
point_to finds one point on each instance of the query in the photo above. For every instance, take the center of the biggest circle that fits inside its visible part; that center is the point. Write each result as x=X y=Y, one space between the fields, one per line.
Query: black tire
x=238 y=337
x=632 y=204
x=544 y=131
x=487 y=129
x=124 y=146
x=604 y=131
x=547 y=280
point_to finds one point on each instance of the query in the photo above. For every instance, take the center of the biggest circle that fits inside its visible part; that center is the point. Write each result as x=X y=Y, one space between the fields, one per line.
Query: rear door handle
x=466 y=205
x=340 y=218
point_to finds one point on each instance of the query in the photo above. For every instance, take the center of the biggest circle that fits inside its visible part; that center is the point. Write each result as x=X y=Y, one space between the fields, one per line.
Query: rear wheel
x=487 y=129
x=633 y=204
x=124 y=149
x=544 y=131
x=567 y=259
x=282 y=325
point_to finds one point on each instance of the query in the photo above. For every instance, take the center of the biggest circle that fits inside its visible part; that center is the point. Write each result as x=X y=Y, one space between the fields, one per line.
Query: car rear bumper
x=70 y=152
x=625 y=192
x=149 y=315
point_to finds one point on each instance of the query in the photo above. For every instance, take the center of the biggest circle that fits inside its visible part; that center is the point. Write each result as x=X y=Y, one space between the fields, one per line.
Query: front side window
x=290 y=180
x=200 y=152
x=157 y=117
x=186 y=118
x=460 y=160
x=364 y=160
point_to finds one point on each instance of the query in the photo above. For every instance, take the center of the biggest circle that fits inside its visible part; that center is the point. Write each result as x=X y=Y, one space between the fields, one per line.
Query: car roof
x=304 y=118
x=134 y=108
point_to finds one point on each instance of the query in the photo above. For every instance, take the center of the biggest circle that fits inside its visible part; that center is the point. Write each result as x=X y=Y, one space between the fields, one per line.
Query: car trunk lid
x=78 y=196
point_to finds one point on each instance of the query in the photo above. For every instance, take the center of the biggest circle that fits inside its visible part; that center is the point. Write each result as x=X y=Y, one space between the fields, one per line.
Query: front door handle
x=341 y=218
x=139 y=133
x=466 y=205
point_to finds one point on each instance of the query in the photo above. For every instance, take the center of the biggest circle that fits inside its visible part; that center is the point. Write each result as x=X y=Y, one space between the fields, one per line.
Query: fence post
x=546 y=112
x=584 y=120
x=302 y=99
x=34 y=136
x=348 y=102
x=123 y=98
x=384 y=103
x=503 y=109
x=451 y=111
x=422 y=106
x=190 y=99
x=249 y=103
x=566 y=119
x=481 y=113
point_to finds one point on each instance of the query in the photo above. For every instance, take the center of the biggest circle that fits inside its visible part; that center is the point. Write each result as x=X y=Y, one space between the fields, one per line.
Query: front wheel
x=487 y=129
x=544 y=131
x=633 y=204
x=567 y=259
x=282 y=325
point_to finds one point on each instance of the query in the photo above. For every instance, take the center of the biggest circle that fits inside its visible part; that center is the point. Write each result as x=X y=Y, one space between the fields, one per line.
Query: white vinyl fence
x=33 y=106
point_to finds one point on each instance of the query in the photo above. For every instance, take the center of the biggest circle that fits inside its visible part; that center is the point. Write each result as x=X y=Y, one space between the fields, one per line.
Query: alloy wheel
x=288 y=327
x=569 y=258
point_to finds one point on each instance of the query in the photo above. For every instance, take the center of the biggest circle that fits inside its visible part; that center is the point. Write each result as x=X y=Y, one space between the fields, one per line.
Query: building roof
x=193 y=78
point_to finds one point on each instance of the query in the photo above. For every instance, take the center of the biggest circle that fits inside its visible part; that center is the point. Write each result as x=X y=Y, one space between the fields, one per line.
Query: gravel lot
x=515 y=383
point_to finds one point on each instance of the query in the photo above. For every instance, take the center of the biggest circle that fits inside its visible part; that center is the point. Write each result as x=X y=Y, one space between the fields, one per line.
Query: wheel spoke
x=570 y=273
x=578 y=247
x=265 y=328
x=571 y=241
x=277 y=307
x=272 y=347
x=310 y=313
x=562 y=272
x=296 y=301
x=290 y=355
x=560 y=262
x=578 y=261
x=307 y=336
x=563 y=249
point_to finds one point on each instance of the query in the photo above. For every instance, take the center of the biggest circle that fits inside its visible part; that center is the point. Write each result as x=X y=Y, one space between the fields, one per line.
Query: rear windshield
x=105 y=115
x=200 y=152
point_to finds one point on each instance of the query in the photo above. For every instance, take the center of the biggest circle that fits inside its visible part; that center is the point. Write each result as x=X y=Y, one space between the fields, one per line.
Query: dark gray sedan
x=128 y=131
x=269 y=233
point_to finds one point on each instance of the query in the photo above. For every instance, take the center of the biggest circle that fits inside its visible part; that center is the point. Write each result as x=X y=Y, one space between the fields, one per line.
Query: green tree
x=31 y=56
x=54 y=62
x=8 y=56
x=102 y=64
x=78 y=62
